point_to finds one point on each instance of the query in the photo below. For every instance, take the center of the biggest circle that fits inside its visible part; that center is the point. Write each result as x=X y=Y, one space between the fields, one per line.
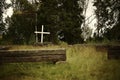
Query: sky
x=8 y=1
x=8 y=12
x=90 y=12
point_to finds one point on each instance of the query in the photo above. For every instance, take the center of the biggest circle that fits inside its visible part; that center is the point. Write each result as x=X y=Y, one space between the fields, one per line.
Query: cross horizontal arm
x=42 y=32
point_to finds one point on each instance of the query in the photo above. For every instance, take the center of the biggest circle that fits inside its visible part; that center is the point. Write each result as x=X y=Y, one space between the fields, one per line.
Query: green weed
x=83 y=63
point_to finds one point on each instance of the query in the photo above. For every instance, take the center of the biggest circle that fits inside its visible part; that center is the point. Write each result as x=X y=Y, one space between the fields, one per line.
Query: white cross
x=42 y=32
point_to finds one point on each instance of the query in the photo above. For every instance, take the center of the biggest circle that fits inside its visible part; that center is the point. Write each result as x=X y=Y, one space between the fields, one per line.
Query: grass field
x=83 y=63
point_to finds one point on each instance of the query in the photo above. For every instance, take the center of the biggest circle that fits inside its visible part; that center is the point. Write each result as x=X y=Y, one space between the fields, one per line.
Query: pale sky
x=90 y=13
x=8 y=1
x=7 y=12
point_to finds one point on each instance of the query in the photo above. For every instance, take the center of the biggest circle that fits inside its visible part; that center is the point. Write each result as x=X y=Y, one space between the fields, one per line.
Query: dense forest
x=62 y=18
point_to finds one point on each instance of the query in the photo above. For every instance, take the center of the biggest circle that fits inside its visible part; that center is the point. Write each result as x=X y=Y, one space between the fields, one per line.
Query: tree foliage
x=108 y=15
x=2 y=2
x=22 y=22
x=3 y=7
x=62 y=16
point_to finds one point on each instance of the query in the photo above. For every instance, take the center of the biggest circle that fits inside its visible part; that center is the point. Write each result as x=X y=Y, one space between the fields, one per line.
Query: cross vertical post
x=42 y=34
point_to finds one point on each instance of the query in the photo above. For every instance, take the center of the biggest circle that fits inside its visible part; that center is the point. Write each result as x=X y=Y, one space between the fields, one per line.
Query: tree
x=56 y=15
x=62 y=16
x=47 y=16
x=22 y=22
x=108 y=15
x=2 y=2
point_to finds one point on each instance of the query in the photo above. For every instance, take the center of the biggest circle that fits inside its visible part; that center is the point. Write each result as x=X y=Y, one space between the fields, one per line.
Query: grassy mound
x=83 y=63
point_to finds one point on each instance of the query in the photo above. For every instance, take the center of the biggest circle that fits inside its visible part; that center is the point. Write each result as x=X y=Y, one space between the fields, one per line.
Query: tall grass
x=83 y=63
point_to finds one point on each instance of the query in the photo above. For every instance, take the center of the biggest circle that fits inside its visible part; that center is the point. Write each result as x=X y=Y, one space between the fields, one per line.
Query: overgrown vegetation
x=60 y=17
x=63 y=19
x=108 y=15
x=83 y=63
x=1 y=11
